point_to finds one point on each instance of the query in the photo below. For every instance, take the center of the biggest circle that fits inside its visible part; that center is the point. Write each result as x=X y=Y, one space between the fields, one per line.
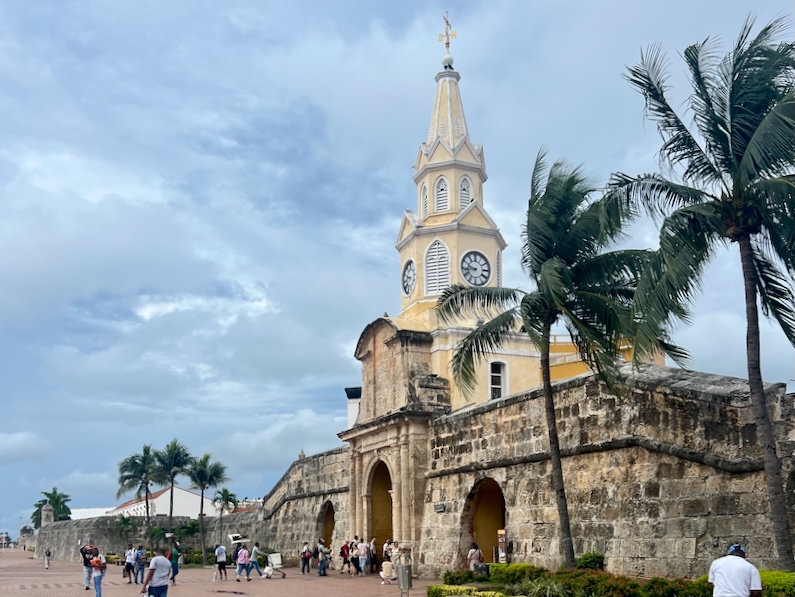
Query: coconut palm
x=124 y=526
x=137 y=473
x=203 y=475
x=576 y=283
x=225 y=501
x=731 y=181
x=59 y=502
x=172 y=460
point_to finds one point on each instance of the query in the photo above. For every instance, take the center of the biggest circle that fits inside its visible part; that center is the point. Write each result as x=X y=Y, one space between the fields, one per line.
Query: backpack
x=342 y=552
x=235 y=553
x=315 y=553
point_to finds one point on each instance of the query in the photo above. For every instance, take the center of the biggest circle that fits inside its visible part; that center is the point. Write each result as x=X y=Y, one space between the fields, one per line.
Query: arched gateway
x=381 y=505
x=482 y=517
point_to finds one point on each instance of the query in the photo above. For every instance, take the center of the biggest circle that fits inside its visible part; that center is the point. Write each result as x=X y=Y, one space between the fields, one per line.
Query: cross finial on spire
x=448 y=33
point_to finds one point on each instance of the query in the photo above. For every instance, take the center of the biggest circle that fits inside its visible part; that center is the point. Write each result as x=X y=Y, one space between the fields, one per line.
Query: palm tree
x=59 y=502
x=203 y=475
x=576 y=283
x=124 y=526
x=737 y=186
x=137 y=473
x=225 y=501
x=172 y=460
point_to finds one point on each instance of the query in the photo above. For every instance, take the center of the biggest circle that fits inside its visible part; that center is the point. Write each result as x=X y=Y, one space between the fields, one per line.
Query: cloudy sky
x=199 y=203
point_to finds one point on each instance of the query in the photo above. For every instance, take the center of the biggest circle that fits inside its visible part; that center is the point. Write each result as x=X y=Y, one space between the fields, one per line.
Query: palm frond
x=476 y=301
x=770 y=151
x=482 y=341
x=612 y=270
x=655 y=193
x=679 y=146
x=710 y=102
x=775 y=200
x=775 y=292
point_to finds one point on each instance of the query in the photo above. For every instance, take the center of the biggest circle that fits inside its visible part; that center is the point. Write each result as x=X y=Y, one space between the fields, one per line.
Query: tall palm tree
x=225 y=501
x=172 y=460
x=137 y=473
x=576 y=283
x=59 y=502
x=736 y=187
x=203 y=475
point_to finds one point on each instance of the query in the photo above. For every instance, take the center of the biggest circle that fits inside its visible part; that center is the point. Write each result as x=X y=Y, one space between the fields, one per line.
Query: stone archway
x=482 y=517
x=380 y=505
x=325 y=523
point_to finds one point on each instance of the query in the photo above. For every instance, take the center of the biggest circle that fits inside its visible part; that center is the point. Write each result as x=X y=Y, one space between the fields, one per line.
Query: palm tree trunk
x=171 y=507
x=201 y=527
x=567 y=544
x=764 y=429
x=148 y=519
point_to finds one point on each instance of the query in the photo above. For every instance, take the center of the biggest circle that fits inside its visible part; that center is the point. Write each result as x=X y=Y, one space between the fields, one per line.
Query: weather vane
x=448 y=33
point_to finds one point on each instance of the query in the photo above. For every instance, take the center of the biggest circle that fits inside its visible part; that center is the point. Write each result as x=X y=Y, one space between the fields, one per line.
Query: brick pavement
x=23 y=576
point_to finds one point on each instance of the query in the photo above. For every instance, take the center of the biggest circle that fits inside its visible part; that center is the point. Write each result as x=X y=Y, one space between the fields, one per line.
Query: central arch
x=381 y=505
x=325 y=523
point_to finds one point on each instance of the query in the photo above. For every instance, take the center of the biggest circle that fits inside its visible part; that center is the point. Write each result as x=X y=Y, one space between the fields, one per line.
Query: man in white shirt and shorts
x=157 y=577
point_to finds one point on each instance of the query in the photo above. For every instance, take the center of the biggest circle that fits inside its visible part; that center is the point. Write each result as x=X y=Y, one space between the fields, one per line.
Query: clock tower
x=450 y=239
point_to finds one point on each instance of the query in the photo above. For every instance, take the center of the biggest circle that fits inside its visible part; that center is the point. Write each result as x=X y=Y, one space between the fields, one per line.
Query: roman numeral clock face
x=475 y=268
x=409 y=277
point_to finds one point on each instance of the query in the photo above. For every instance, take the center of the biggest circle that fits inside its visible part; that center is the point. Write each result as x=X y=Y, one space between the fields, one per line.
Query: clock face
x=409 y=277
x=475 y=268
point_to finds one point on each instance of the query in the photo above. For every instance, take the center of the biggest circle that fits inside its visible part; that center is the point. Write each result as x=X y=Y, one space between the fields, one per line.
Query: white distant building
x=186 y=503
x=81 y=513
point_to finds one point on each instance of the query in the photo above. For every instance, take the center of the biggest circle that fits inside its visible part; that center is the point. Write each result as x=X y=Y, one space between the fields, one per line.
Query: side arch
x=482 y=516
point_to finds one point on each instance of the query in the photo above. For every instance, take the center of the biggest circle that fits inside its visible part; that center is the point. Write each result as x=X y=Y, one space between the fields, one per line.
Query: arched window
x=442 y=196
x=497 y=381
x=464 y=193
x=437 y=268
x=424 y=201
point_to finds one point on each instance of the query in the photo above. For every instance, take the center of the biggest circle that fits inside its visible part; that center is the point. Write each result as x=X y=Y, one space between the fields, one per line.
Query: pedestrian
x=354 y=551
x=47 y=556
x=345 y=554
x=387 y=573
x=322 y=557
x=474 y=556
x=129 y=563
x=139 y=569
x=87 y=552
x=242 y=562
x=373 y=557
x=305 y=555
x=387 y=550
x=364 y=549
x=254 y=562
x=157 y=577
x=98 y=567
x=173 y=556
x=733 y=576
x=220 y=558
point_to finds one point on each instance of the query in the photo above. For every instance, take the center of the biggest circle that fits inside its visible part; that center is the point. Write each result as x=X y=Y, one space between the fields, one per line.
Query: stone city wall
x=660 y=479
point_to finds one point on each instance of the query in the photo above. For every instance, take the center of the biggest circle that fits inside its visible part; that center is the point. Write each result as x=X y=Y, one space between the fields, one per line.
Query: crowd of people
x=729 y=576
x=357 y=557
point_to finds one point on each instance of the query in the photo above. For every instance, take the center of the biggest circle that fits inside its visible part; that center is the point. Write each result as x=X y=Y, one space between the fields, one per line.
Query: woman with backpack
x=306 y=557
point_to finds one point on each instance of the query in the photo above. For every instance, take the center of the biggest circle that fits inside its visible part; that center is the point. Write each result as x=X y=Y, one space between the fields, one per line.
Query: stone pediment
x=408 y=224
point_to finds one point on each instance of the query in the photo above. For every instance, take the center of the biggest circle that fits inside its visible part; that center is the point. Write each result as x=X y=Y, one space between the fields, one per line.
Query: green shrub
x=448 y=590
x=543 y=586
x=458 y=577
x=677 y=587
x=777 y=584
x=512 y=574
x=595 y=582
x=592 y=560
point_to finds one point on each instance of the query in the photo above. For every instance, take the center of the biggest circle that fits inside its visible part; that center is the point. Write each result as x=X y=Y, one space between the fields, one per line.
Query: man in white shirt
x=732 y=576
x=129 y=563
x=220 y=560
x=157 y=577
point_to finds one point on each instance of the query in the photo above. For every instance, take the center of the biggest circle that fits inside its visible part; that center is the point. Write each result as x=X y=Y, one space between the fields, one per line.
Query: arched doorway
x=483 y=516
x=381 y=506
x=325 y=523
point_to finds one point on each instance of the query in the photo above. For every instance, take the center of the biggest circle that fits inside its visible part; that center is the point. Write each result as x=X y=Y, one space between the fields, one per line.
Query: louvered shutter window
x=424 y=201
x=437 y=268
x=465 y=193
x=442 y=196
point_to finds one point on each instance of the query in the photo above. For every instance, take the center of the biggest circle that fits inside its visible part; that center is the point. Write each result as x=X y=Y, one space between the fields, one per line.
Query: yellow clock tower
x=450 y=239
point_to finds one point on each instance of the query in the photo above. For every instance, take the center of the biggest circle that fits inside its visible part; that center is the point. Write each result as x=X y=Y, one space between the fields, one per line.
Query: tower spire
x=448 y=33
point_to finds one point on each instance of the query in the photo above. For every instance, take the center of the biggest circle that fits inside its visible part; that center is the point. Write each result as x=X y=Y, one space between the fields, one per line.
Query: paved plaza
x=22 y=575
